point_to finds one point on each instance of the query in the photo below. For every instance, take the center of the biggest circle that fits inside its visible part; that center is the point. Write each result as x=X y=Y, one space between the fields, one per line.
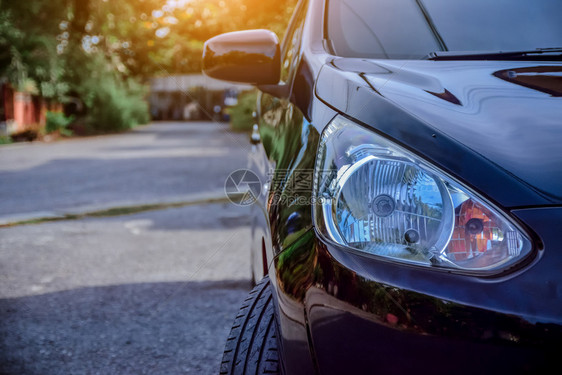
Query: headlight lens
x=375 y=197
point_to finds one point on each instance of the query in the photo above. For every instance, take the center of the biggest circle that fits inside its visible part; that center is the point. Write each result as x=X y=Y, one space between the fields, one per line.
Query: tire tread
x=251 y=346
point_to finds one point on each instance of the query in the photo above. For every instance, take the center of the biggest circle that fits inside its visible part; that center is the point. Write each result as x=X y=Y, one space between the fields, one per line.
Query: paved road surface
x=150 y=293
x=165 y=161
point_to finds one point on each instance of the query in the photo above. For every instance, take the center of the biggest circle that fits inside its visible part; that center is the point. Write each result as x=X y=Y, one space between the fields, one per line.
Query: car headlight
x=378 y=199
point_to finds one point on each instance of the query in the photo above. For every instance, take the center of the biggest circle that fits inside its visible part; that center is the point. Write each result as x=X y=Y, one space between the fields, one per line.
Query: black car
x=409 y=155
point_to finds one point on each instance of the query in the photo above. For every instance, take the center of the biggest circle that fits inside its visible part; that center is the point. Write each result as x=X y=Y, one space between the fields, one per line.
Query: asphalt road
x=150 y=293
x=160 y=162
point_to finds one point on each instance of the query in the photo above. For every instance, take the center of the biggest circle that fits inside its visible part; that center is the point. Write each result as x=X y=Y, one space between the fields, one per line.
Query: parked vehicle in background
x=409 y=153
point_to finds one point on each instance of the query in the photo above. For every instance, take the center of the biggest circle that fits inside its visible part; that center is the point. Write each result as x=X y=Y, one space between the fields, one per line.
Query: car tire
x=251 y=347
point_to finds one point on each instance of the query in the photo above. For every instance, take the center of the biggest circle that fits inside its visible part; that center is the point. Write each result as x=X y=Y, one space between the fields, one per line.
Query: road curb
x=112 y=209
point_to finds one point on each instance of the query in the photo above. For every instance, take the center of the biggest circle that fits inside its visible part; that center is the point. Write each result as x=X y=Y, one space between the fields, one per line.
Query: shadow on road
x=146 y=328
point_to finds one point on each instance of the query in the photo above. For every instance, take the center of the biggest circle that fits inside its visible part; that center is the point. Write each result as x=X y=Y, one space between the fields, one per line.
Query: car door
x=279 y=154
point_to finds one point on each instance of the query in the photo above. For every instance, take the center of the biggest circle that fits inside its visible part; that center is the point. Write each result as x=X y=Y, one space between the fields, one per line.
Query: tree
x=105 y=49
x=28 y=47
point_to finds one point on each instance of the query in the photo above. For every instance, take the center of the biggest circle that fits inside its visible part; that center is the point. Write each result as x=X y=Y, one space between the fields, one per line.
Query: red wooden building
x=20 y=111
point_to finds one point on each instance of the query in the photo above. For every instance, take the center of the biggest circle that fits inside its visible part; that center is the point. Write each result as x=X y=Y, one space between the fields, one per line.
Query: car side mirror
x=251 y=56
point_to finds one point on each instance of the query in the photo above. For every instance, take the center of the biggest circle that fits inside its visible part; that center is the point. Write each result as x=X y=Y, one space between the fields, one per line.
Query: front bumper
x=362 y=315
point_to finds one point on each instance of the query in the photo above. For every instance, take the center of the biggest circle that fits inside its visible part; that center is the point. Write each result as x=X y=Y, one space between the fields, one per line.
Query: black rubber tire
x=251 y=347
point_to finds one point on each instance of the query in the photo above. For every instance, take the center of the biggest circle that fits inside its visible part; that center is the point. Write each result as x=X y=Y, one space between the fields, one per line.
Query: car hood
x=510 y=113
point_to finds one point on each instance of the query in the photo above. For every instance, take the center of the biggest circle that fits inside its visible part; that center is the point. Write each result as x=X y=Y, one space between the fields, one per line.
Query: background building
x=191 y=97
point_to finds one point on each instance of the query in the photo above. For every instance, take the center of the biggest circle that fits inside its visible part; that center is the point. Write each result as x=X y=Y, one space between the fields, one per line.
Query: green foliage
x=241 y=118
x=126 y=30
x=28 y=41
x=53 y=48
x=142 y=38
x=112 y=104
x=58 y=122
x=5 y=140
x=116 y=106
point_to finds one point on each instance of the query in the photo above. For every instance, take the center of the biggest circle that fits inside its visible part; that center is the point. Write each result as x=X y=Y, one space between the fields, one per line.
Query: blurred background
x=97 y=66
x=119 y=251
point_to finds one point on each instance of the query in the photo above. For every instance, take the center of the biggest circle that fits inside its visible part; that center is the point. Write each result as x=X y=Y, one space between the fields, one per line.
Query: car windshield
x=411 y=29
